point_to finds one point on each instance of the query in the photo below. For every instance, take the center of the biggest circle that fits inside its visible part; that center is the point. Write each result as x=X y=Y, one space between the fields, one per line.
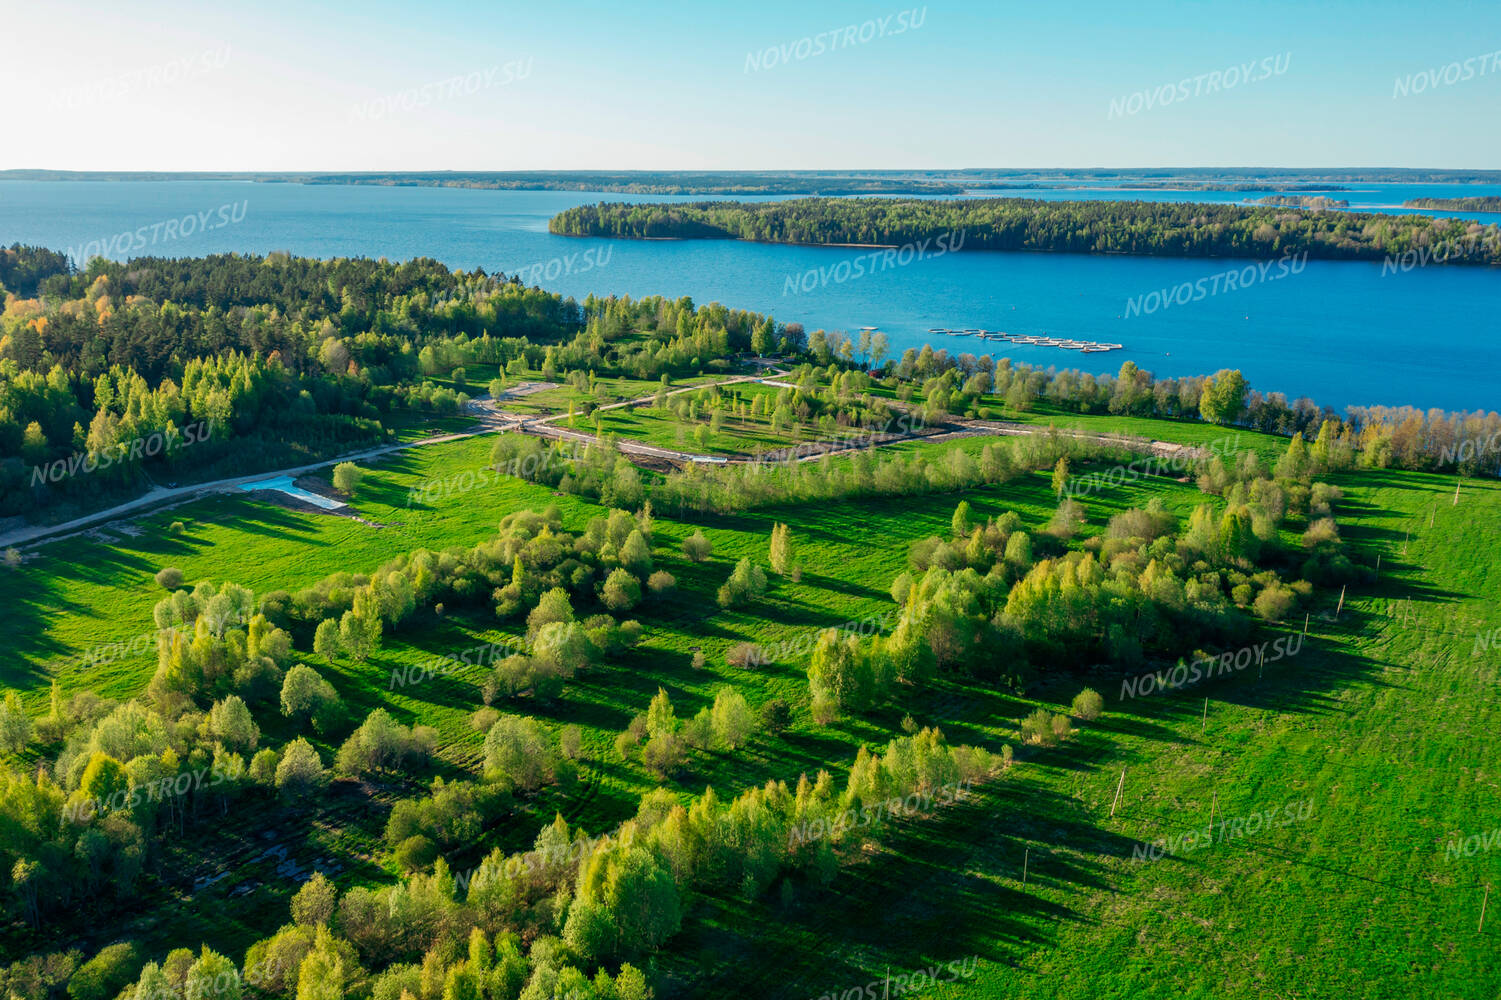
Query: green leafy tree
x=1223 y=398
x=781 y=549
x=305 y=695
x=733 y=720
x=15 y=725
x=960 y=522
x=313 y=905
x=102 y=976
x=621 y=590
x=231 y=724
x=1060 y=477
x=347 y=477
x=300 y=773
x=839 y=676
x=213 y=975
x=327 y=970
x=359 y=635
x=326 y=640
x=519 y=748
x=746 y=583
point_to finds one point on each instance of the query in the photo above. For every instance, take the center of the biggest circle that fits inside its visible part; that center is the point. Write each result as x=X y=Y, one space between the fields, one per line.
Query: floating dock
x=1029 y=340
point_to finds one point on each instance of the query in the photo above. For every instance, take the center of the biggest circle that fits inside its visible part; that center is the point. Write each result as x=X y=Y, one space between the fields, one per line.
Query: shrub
x=482 y=720
x=571 y=742
x=699 y=662
x=1038 y=728
x=1321 y=532
x=776 y=716
x=1274 y=602
x=1087 y=705
x=744 y=655
x=661 y=582
x=177 y=528
x=169 y=577
x=697 y=547
x=1062 y=727
x=625 y=743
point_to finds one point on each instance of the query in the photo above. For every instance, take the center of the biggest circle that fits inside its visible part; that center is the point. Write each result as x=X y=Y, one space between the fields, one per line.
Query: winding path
x=493 y=419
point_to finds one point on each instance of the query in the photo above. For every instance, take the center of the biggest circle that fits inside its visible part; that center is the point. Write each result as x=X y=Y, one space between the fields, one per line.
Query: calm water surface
x=1341 y=333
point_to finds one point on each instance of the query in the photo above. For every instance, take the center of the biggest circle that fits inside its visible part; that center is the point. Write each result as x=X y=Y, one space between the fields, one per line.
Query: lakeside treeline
x=1010 y=224
x=1303 y=201
x=651 y=182
x=1475 y=204
x=286 y=360
x=280 y=360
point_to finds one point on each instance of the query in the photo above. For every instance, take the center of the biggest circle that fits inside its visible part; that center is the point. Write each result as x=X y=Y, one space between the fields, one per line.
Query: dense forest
x=283 y=357
x=1133 y=227
x=1489 y=203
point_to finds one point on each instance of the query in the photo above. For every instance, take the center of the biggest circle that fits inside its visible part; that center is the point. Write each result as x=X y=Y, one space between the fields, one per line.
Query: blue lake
x=1341 y=333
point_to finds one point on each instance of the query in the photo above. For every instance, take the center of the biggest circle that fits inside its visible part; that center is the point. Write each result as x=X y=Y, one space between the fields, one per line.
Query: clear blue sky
x=299 y=85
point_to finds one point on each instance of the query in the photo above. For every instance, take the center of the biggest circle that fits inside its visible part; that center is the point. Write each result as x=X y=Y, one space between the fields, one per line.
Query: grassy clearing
x=666 y=428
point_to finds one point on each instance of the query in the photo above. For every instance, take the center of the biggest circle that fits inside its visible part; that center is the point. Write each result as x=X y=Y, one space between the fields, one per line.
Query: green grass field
x=1381 y=721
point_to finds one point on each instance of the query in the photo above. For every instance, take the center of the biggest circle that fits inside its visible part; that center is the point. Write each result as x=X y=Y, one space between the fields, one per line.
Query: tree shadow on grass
x=940 y=889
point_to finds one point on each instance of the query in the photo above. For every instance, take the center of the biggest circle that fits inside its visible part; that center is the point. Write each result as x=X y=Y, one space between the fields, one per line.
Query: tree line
x=1164 y=229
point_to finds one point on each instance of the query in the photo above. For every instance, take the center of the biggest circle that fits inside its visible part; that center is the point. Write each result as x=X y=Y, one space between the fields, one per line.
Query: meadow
x=1379 y=721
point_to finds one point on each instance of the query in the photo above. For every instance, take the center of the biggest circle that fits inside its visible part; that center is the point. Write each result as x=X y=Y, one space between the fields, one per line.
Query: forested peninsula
x=1119 y=227
x=1476 y=204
